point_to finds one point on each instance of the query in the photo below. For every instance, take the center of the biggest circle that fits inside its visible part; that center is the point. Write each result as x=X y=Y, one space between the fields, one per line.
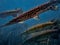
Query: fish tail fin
x=1 y=26
x=4 y=25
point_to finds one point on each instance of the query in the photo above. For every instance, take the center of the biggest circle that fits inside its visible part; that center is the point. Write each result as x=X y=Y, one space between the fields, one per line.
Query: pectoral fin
x=21 y=22
x=36 y=17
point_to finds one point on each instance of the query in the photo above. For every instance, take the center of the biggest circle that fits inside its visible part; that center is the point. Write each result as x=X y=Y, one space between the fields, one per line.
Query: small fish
x=40 y=33
x=38 y=26
x=33 y=12
x=11 y=12
x=53 y=22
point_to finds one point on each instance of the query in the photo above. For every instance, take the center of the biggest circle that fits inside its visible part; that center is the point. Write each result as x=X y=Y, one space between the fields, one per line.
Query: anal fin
x=36 y=17
x=21 y=22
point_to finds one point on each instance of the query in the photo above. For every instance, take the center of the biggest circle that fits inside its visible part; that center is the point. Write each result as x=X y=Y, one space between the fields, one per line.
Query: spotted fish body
x=32 y=13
